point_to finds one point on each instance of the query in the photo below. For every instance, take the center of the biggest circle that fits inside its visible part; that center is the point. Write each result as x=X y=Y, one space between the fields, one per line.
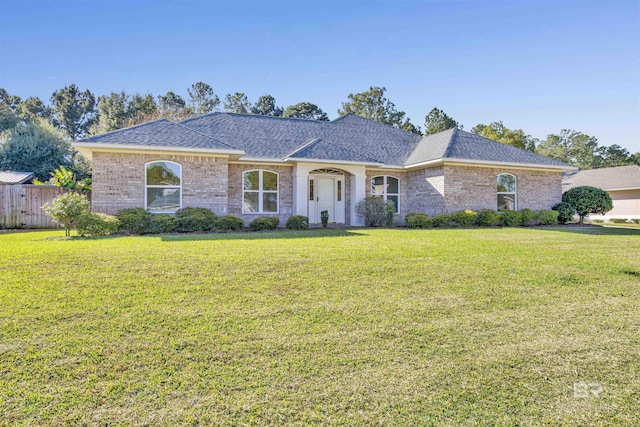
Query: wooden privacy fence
x=21 y=205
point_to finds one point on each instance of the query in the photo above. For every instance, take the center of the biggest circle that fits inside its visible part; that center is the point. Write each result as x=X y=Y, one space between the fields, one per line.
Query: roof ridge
x=454 y=135
x=303 y=146
x=271 y=117
x=129 y=127
x=207 y=135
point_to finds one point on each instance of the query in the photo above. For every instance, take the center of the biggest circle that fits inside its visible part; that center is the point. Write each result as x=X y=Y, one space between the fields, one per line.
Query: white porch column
x=300 y=184
x=358 y=192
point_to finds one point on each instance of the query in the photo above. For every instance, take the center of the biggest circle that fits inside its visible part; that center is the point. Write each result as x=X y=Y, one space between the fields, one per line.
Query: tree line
x=35 y=135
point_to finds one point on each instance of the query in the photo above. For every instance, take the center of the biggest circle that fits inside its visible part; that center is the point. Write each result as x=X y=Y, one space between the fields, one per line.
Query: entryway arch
x=326 y=191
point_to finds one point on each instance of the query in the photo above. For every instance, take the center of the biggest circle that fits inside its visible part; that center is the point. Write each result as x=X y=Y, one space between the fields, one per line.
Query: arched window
x=507 y=192
x=163 y=181
x=387 y=187
x=260 y=191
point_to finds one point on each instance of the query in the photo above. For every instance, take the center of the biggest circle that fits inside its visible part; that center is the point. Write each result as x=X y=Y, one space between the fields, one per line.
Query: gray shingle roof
x=11 y=177
x=348 y=138
x=159 y=133
x=605 y=178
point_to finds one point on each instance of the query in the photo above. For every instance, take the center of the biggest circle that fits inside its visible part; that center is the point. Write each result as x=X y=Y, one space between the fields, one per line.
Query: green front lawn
x=328 y=327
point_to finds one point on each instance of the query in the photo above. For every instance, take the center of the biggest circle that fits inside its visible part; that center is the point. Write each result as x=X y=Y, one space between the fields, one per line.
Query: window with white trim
x=260 y=191
x=507 y=192
x=163 y=187
x=387 y=187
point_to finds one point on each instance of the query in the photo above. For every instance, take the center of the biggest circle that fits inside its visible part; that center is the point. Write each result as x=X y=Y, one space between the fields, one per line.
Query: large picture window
x=388 y=188
x=260 y=192
x=507 y=192
x=163 y=193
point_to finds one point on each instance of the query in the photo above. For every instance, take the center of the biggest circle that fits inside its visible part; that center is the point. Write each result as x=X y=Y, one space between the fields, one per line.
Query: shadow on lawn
x=596 y=230
x=262 y=235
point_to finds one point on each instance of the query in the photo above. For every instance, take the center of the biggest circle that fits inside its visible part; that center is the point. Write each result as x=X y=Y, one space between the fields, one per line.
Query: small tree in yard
x=587 y=200
x=67 y=208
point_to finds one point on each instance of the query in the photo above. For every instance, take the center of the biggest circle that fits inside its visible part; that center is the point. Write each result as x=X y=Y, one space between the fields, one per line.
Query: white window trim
x=261 y=192
x=385 y=193
x=146 y=206
x=515 y=192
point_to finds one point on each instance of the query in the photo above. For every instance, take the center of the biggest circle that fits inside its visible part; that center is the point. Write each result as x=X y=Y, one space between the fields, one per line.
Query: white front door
x=326 y=193
x=327 y=198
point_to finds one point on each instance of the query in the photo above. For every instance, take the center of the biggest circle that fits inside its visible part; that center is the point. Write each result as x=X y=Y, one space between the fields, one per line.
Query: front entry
x=326 y=193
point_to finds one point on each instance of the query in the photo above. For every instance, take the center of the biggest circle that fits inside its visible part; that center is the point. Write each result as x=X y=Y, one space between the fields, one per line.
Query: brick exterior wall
x=426 y=190
x=285 y=202
x=475 y=188
x=119 y=181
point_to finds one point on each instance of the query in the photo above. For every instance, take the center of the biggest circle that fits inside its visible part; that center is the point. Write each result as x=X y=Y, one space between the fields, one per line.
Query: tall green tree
x=372 y=104
x=8 y=101
x=437 y=121
x=36 y=147
x=498 y=132
x=614 y=155
x=266 y=106
x=572 y=147
x=173 y=107
x=113 y=112
x=305 y=110
x=73 y=110
x=202 y=98
x=237 y=103
x=33 y=107
x=142 y=108
x=8 y=119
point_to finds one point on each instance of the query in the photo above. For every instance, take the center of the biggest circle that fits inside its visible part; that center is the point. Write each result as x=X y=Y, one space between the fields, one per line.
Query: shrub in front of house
x=297 y=222
x=565 y=212
x=488 y=218
x=618 y=220
x=547 y=217
x=464 y=218
x=417 y=220
x=597 y=221
x=97 y=224
x=229 y=223
x=441 y=220
x=588 y=200
x=134 y=220
x=527 y=217
x=67 y=209
x=372 y=211
x=196 y=219
x=163 y=223
x=510 y=218
x=264 y=223
x=636 y=220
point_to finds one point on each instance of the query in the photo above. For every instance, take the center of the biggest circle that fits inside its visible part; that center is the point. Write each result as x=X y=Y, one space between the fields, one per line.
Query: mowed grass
x=324 y=327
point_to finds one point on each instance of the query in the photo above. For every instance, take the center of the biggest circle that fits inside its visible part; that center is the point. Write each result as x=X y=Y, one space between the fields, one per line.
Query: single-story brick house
x=250 y=166
x=622 y=183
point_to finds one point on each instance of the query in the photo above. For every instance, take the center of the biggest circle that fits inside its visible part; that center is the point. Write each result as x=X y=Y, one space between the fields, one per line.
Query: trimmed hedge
x=488 y=217
x=97 y=224
x=618 y=220
x=297 y=222
x=565 y=212
x=417 y=220
x=464 y=218
x=264 y=223
x=230 y=223
x=510 y=218
x=441 y=220
x=546 y=217
x=134 y=220
x=527 y=217
x=196 y=219
x=163 y=223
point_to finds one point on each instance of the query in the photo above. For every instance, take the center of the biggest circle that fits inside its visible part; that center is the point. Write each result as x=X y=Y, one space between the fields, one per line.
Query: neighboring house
x=251 y=166
x=622 y=183
x=15 y=178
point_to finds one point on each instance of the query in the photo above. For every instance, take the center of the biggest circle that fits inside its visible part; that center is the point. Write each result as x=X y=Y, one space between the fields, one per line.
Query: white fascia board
x=93 y=146
x=621 y=189
x=487 y=163
x=337 y=162
x=260 y=160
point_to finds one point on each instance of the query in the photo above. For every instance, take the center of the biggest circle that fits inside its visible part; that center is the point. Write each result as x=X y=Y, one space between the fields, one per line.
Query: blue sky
x=536 y=65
